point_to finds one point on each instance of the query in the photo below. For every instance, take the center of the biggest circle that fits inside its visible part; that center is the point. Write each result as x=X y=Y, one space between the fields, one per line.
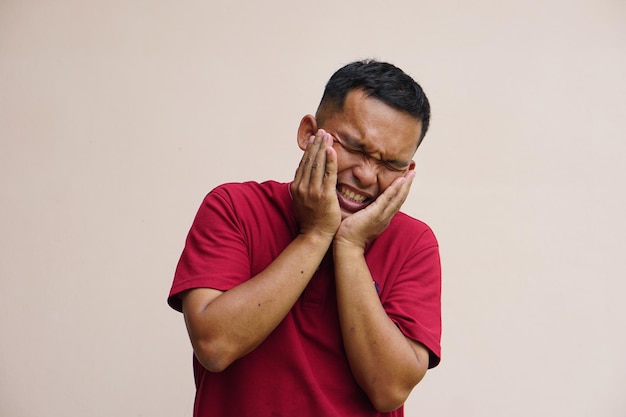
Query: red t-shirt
x=301 y=369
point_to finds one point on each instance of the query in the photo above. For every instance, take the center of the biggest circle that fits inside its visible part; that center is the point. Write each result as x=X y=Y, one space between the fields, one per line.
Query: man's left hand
x=365 y=225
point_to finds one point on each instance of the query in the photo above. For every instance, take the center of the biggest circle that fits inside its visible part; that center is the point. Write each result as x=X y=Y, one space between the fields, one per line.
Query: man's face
x=374 y=144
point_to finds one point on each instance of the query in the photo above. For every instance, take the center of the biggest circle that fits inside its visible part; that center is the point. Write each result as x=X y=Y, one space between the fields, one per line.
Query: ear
x=307 y=128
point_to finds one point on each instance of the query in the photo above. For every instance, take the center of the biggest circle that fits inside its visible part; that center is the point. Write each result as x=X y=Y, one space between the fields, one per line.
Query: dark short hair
x=379 y=80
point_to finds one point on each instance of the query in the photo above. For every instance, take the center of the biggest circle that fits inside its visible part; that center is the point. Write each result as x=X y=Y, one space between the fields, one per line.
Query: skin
x=224 y=326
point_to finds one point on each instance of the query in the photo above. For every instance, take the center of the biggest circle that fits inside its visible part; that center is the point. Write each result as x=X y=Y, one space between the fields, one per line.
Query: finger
x=319 y=163
x=330 y=169
x=400 y=191
x=391 y=200
x=315 y=161
x=303 y=171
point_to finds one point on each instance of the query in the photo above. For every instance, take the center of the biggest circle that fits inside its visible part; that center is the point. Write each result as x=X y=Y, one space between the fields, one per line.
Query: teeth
x=352 y=196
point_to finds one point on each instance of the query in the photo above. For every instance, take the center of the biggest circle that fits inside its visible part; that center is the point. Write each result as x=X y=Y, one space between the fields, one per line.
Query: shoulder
x=407 y=228
x=244 y=202
x=406 y=239
x=250 y=193
x=235 y=190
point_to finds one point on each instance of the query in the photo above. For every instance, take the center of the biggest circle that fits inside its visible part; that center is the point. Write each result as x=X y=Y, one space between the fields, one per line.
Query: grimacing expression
x=375 y=144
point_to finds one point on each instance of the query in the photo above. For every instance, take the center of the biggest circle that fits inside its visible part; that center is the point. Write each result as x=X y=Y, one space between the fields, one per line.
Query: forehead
x=375 y=125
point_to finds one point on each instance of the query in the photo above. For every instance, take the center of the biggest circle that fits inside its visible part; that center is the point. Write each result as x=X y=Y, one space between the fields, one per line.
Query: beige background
x=116 y=117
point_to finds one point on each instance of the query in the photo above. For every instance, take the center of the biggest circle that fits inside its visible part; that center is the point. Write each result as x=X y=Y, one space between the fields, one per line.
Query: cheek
x=385 y=181
x=343 y=163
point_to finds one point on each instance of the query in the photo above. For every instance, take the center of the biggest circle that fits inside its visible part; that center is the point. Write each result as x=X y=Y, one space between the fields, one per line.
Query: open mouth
x=351 y=200
x=351 y=195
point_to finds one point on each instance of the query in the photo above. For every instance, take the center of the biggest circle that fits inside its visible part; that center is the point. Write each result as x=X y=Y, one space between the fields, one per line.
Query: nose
x=366 y=171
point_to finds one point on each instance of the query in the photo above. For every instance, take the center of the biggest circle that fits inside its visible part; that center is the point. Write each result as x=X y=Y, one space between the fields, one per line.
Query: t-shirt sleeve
x=215 y=253
x=414 y=303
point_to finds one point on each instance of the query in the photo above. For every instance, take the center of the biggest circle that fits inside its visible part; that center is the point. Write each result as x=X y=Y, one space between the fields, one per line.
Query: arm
x=386 y=364
x=224 y=326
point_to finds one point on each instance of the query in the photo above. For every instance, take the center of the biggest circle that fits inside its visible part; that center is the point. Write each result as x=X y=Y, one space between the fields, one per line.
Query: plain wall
x=117 y=117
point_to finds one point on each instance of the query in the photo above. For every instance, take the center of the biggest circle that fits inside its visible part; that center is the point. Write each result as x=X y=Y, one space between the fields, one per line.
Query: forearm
x=383 y=361
x=237 y=321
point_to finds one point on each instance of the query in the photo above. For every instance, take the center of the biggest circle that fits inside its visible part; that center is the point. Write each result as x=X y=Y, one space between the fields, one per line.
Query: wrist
x=316 y=237
x=347 y=248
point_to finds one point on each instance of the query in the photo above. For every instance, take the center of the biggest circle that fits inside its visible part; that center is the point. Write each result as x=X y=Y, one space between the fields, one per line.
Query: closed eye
x=354 y=147
x=394 y=165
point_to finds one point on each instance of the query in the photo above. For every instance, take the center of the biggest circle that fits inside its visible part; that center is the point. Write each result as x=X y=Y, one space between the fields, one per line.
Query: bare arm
x=386 y=364
x=224 y=326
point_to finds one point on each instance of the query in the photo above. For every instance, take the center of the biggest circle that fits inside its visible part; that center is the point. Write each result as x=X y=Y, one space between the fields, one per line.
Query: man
x=318 y=297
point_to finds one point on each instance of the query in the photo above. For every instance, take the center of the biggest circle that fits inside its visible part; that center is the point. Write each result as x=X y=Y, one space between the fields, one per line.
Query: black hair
x=382 y=81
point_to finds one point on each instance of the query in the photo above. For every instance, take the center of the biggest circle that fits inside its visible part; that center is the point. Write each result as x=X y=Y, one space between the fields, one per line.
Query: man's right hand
x=314 y=187
x=224 y=326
